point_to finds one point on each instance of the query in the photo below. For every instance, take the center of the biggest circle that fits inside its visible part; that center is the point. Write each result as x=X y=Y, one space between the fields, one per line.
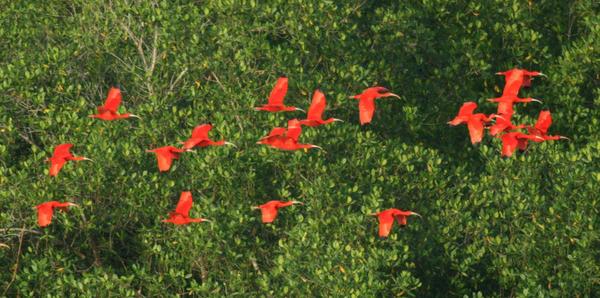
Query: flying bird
x=505 y=102
x=315 y=111
x=275 y=102
x=286 y=138
x=269 y=209
x=386 y=219
x=46 y=210
x=541 y=127
x=503 y=124
x=366 y=104
x=200 y=138
x=513 y=140
x=109 y=110
x=60 y=156
x=181 y=215
x=165 y=156
x=474 y=121
x=516 y=78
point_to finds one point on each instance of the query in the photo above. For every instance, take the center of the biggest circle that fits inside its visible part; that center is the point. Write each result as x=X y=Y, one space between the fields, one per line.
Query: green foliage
x=525 y=226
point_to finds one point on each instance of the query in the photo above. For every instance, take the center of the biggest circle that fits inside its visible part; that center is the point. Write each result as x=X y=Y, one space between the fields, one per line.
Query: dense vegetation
x=523 y=226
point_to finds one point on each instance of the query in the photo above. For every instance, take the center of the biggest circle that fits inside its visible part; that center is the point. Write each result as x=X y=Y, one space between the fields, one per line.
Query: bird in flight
x=516 y=78
x=269 y=209
x=366 y=103
x=60 y=156
x=474 y=121
x=275 y=102
x=46 y=210
x=165 y=156
x=505 y=103
x=200 y=138
x=513 y=140
x=503 y=124
x=109 y=110
x=315 y=111
x=541 y=127
x=286 y=139
x=386 y=219
x=181 y=215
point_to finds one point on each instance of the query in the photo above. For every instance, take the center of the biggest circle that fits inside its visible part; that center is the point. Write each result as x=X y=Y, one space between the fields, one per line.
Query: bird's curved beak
x=315 y=146
x=231 y=144
x=372 y=214
x=393 y=94
x=188 y=150
x=254 y=207
x=337 y=120
x=207 y=220
x=301 y=110
x=73 y=205
x=88 y=159
x=256 y=108
x=491 y=99
x=297 y=202
x=150 y=150
x=497 y=116
x=415 y=213
x=564 y=138
x=91 y=116
x=542 y=74
x=500 y=73
x=536 y=100
x=135 y=116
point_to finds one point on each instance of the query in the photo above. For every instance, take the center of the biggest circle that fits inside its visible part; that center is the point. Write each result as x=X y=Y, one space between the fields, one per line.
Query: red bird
x=366 y=104
x=275 y=102
x=165 y=156
x=540 y=128
x=516 y=78
x=513 y=140
x=474 y=121
x=286 y=139
x=505 y=102
x=315 y=112
x=503 y=124
x=109 y=110
x=61 y=156
x=386 y=219
x=269 y=209
x=181 y=215
x=200 y=138
x=46 y=210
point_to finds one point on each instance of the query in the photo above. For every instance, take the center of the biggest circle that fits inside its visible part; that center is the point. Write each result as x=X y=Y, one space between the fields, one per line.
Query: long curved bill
x=135 y=116
x=88 y=159
x=415 y=213
x=301 y=110
x=231 y=144
x=297 y=202
x=337 y=120
x=536 y=100
x=564 y=138
x=393 y=94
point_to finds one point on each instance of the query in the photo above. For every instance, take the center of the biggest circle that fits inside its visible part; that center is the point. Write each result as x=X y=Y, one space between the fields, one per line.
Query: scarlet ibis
x=181 y=215
x=474 y=121
x=516 y=78
x=315 y=111
x=366 y=104
x=275 y=102
x=503 y=124
x=165 y=156
x=386 y=219
x=286 y=139
x=46 y=210
x=109 y=110
x=269 y=209
x=540 y=128
x=61 y=155
x=513 y=140
x=200 y=138
x=505 y=102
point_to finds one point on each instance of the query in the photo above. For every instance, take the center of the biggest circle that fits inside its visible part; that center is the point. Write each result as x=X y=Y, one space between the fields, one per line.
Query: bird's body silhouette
x=513 y=140
x=45 y=211
x=474 y=122
x=269 y=209
x=165 y=156
x=386 y=219
x=286 y=138
x=108 y=111
x=516 y=78
x=275 y=101
x=540 y=129
x=315 y=111
x=505 y=103
x=366 y=102
x=181 y=215
x=60 y=156
x=503 y=124
x=200 y=138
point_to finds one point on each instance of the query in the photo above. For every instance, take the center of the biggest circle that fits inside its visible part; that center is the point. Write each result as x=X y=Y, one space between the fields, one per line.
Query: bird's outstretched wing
x=366 y=109
x=509 y=144
x=475 y=127
x=201 y=131
x=544 y=121
x=317 y=106
x=62 y=150
x=164 y=161
x=113 y=100
x=467 y=109
x=185 y=203
x=278 y=93
x=45 y=212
